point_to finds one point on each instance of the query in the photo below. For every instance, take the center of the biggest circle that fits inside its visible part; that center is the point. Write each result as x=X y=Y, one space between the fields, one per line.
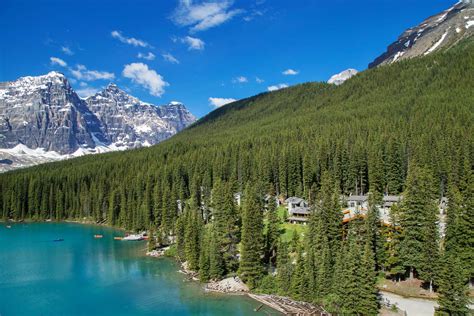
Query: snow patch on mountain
x=436 y=45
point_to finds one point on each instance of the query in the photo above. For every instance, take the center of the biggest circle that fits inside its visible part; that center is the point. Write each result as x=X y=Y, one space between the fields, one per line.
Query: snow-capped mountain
x=442 y=30
x=339 y=78
x=43 y=119
x=45 y=112
x=129 y=122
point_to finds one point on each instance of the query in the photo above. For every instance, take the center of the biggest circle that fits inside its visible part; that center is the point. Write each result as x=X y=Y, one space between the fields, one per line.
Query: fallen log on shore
x=288 y=306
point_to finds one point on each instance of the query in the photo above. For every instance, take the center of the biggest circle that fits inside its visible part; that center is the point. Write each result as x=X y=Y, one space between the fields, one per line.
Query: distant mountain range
x=43 y=119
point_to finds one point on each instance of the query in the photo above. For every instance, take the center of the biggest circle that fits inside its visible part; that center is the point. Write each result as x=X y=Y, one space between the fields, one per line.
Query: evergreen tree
x=192 y=235
x=273 y=231
x=368 y=301
x=216 y=260
x=252 y=247
x=418 y=221
x=225 y=221
x=453 y=290
x=374 y=227
x=299 y=281
x=330 y=210
x=284 y=269
x=204 y=259
x=393 y=261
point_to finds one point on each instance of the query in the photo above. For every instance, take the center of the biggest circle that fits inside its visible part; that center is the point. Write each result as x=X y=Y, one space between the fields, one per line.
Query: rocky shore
x=228 y=285
x=156 y=253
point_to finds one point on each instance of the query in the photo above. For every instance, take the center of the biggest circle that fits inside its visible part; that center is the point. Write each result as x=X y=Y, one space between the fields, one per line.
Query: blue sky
x=202 y=53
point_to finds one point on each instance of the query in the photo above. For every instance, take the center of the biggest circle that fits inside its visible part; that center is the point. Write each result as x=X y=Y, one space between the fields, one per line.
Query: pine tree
x=225 y=221
x=284 y=269
x=453 y=290
x=393 y=262
x=348 y=288
x=252 y=247
x=418 y=221
x=273 y=231
x=330 y=210
x=192 y=235
x=367 y=302
x=373 y=228
x=460 y=224
x=204 y=259
x=299 y=281
x=216 y=260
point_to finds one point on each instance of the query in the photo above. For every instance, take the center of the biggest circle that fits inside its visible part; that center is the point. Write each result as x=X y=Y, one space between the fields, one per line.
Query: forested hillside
x=365 y=131
x=313 y=140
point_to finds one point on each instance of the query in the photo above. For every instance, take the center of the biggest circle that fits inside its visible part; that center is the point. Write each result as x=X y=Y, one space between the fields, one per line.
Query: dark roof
x=301 y=210
x=357 y=198
x=295 y=200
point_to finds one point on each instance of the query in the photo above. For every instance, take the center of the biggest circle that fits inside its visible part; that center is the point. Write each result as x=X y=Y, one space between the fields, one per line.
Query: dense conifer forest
x=404 y=129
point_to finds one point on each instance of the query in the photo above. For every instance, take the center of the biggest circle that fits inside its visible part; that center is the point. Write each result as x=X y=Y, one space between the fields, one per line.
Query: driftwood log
x=288 y=306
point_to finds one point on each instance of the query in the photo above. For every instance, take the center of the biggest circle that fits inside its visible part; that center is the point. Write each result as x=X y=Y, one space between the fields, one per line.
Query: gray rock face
x=130 y=122
x=46 y=115
x=44 y=112
x=439 y=31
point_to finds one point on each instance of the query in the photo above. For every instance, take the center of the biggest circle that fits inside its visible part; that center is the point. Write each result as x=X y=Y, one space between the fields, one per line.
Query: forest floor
x=407 y=288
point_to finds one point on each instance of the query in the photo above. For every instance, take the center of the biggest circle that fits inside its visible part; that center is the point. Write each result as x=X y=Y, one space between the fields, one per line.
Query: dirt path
x=413 y=306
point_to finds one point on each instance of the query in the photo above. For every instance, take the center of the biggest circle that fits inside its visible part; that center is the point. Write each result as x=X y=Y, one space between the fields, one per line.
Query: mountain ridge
x=45 y=114
x=439 y=31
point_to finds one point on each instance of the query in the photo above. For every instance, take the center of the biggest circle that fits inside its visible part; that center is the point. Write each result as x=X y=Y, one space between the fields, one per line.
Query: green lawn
x=287 y=229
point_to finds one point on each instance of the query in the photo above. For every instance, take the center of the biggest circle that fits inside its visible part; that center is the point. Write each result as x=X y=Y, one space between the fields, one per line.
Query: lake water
x=86 y=276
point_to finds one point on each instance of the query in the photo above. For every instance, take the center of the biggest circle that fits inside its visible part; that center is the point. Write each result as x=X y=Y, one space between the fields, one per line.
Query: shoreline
x=280 y=304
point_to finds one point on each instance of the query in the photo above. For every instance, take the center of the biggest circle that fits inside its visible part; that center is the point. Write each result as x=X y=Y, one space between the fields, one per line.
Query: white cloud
x=218 y=102
x=129 y=40
x=205 y=15
x=86 y=91
x=66 y=50
x=277 y=87
x=82 y=73
x=290 y=72
x=149 y=56
x=193 y=43
x=240 y=79
x=255 y=13
x=140 y=73
x=57 y=61
x=170 y=58
x=259 y=80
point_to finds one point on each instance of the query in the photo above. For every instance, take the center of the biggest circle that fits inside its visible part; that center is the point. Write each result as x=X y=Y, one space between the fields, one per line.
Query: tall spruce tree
x=273 y=231
x=299 y=281
x=225 y=219
x=252 y=246
x=453 y=291
x=192 y=235
x=284 y=269
x=204 y=258
x=418 y=221
x=330 y=210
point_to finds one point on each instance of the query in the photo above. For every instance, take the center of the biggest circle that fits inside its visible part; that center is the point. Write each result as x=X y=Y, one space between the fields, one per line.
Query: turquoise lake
x=86 y=276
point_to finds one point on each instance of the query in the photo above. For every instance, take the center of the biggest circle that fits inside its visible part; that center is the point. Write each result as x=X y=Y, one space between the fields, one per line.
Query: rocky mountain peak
x=45 y=114
x=442 y=30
